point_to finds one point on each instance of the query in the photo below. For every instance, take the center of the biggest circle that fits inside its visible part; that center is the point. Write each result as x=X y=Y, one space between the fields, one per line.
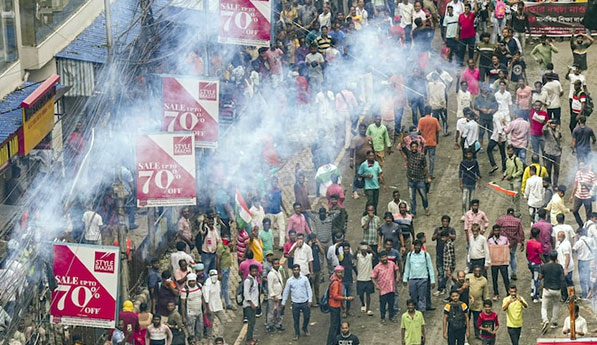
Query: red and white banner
x=583 y=341
x=192 y=104
x=245 y=22
x=87 y=278
x=165 y=170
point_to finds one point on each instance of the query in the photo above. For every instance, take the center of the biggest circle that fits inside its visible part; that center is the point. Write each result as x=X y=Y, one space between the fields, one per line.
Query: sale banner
x=583 y=341
x=192 y=104
x=555 y=18
x=87 y=279
x=165 y=170
x=245 y=22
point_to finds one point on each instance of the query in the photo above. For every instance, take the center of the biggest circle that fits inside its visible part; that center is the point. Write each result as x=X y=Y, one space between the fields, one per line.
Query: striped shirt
x=584 y=182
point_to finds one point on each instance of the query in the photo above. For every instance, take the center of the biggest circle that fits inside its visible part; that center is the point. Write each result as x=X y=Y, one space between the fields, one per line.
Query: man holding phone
x=513 y=306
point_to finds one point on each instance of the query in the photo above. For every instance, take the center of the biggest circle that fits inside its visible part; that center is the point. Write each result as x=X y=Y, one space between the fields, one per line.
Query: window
x=39 y=18
x=8 y=35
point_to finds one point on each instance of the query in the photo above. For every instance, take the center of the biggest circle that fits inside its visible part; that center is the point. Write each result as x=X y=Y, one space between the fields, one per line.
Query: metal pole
x=108 y=29
x=151 y=229
x=206 y=39
x=272 y=29
x=571 y=313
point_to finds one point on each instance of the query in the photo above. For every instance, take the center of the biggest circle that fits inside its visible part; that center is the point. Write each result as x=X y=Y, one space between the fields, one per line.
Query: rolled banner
x=501 y=189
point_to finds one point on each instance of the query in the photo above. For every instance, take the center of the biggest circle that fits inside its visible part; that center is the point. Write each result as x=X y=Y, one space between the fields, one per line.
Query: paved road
x=444 y=199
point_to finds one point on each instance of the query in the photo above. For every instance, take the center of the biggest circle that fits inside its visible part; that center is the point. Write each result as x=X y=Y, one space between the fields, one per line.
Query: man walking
x=429 y=128
x=456 y=320
x=512 y=228
x=417 y=174
x=478 y=251
x=439 y=252
x=534 y=193
x=513 y=174
x=534 y=258
x=513 y=306
x=384 y=276
x=251 y=301
x=371 y=172
x=581 y=193
x=412 y=325
x=301 y=296
x=275 y=287
x=336 y=297
x=552 y=274
x=380 y=139
x=417 y=270
x=499 y=247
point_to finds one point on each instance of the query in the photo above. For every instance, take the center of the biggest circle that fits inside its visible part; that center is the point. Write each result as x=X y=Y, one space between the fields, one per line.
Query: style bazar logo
x=104 y=262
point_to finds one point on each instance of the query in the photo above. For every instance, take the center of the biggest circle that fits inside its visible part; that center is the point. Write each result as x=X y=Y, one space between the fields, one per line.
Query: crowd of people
x=311 y=258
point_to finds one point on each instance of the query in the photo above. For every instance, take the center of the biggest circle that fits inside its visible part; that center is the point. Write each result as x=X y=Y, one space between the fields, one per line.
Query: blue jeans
x=417 y=103
x=224 y=283
x=415 y=187
x=535 y=270
x=430 y=151
x=521 y=153
x=417 y=288
x=398 y=121
x=513 y=260
x=584 y=275
x=407 y=30
x=347 y=292
x=209 y=261
x=538 y=144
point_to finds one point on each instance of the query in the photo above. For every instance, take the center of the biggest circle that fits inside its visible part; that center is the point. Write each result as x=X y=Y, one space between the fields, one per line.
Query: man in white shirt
x=361 y=11
x=504 y=100
x=478 y=251
x=554 y=92
x=275 y=287
x=93 y=225
x=566 y=228
x=450 y=26
x=564 y=250
x=471 y=131
x=584 y=248
x=405 y=11
x=302 y=255
x=574 y=74
x=534 y=193
x=325 y=18
x=212 y=290
x=457 y=7
x=180 y=254
x=580 y=324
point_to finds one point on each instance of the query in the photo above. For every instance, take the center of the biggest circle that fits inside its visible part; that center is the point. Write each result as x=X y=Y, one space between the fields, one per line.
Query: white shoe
x=355 y=195
x=363 y=309
x=437 y=293
x=462 y=218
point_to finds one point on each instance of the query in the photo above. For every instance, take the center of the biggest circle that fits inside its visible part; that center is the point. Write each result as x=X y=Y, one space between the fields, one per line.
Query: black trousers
x=503 y=270
x=514 y=334
x=334 y=326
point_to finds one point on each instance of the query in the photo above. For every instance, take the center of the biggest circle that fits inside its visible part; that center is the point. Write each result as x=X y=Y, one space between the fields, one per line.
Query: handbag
x=206 y=321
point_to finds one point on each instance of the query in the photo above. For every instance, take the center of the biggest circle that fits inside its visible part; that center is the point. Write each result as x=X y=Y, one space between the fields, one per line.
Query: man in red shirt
x=534 y=254
x=429 y=128
x=466 y=33
x=335 y=301
x=537 y=119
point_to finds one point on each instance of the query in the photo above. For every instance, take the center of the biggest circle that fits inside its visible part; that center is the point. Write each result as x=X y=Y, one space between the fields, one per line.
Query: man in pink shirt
x=519 y=136
x=335 y=189
x=273 y=57
x=245 y=267
x=538 y=118
x=471 y=75
x=466 y=32
x=475 y=216
x=523 y=98
x=384 y=277
x=297 y=221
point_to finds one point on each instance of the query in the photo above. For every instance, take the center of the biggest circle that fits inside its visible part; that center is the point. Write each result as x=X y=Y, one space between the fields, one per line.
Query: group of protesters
x=307 y=260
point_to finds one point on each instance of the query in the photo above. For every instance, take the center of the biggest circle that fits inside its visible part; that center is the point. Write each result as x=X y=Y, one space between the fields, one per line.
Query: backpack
x=588 y=105
x=324 y=302
x=240 y=292
x=456 y=317
x=500 y=9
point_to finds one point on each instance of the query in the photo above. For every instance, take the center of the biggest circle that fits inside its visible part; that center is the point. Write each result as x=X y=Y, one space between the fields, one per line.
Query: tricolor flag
x=243 y=215
x=501 y=189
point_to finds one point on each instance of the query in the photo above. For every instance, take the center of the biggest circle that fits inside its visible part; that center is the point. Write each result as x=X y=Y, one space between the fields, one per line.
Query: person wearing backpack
x=192 y=304
x=335 y=299
x=578 y=104
x=417 y=270
x=456 y=323
x=499 y=20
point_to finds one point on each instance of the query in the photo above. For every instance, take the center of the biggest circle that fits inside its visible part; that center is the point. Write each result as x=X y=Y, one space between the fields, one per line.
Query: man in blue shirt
x=300 y=293
x=273 y=209
x=417 y=270
x=371 y=172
